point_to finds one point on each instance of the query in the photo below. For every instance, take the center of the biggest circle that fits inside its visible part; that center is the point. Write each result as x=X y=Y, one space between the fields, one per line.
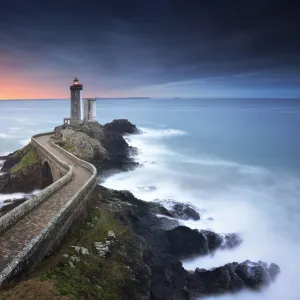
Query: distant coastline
x=102 y=98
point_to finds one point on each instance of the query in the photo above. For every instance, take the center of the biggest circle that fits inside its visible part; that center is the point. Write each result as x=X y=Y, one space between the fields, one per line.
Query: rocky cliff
x=103 y=146
x=23 y=171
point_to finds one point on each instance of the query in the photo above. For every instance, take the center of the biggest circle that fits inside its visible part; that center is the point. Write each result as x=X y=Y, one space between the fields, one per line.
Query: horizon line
x=145 y=98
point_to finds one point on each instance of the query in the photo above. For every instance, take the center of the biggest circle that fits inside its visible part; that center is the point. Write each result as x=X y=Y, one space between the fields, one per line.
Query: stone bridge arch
x=47 y=174
x=50 y=169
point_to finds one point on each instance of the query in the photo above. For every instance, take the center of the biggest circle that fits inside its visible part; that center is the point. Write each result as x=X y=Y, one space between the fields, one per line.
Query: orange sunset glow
x=20 y=88
x=17 y=86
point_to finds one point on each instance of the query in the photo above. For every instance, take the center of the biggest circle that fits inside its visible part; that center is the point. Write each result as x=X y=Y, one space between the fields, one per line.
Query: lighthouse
x=76 y=98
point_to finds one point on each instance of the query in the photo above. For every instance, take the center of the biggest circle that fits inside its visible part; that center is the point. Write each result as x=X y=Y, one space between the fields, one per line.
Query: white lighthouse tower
x=89 y=110
x=76 y=98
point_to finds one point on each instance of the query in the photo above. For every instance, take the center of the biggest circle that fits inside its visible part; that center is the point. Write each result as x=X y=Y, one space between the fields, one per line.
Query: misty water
x=236 y=160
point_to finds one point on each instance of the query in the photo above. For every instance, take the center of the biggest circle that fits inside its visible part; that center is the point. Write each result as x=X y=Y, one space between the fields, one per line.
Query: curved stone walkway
x=16 y=238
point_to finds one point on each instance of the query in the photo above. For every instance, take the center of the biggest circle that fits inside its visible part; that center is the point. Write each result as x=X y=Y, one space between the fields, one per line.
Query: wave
x=160 y=133
x=260 y=204
x=24 y=142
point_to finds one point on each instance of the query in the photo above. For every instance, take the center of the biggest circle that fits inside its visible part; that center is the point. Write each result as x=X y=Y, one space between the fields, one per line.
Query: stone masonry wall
x=56 y=229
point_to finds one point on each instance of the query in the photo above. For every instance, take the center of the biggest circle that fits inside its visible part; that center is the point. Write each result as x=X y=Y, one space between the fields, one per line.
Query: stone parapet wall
x=79 y=161
x=58 y=168
x=54 y=232
x=18 y=212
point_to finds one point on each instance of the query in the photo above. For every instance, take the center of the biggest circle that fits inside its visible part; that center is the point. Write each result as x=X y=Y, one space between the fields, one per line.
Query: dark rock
x=27 y=180
x=168 y=224
x=213 y=240
x=163 y=249
x=168 y=281
x=24 y=179
x=121 y=126
x=185 y=212
x=255 y=275
x=231 y=277
x=215 y=281
x=274 y=270
x=231 y=240
x=3 y=178
x=185 y=242
x=179 y=210
x=108 y=150
x=13 y=158
x=3 y=157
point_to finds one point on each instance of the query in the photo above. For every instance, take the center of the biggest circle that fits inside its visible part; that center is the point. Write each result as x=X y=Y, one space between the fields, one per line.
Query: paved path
x=17 y=237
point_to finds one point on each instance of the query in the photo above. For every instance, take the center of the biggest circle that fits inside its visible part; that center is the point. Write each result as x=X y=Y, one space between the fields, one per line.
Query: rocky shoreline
x=165 y=244
x=158 y=242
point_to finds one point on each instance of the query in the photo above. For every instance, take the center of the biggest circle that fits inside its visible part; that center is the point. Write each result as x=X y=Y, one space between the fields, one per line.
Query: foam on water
x=12 y=196
x=24 y=142
x=232 y=197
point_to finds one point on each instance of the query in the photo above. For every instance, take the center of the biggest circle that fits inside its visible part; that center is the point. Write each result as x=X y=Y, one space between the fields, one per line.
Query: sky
x=158 y=48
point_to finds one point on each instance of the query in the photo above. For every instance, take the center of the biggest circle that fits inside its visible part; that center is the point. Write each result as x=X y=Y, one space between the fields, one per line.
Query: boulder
x=184 y=242
x=254 y=275
x=185 y=212
x=121 y=126
x=231 y=240
x=80 y=144
x=168 y=281
x=231 y=277
x=274 y=270
x=178 y=210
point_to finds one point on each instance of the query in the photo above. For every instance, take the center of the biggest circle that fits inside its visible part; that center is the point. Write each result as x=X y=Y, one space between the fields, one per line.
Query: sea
x=236 y=160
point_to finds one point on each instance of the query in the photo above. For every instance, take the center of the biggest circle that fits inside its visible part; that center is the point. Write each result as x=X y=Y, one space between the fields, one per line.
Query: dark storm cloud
x=126 y=44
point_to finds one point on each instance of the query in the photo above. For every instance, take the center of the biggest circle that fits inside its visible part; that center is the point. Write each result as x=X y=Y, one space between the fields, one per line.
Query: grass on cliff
x=92 y=277
x=30 y=158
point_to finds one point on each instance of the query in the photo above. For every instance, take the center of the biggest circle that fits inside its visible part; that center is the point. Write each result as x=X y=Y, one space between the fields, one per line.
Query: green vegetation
x=30 y=158
x=91 y=276
x=68 y=274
